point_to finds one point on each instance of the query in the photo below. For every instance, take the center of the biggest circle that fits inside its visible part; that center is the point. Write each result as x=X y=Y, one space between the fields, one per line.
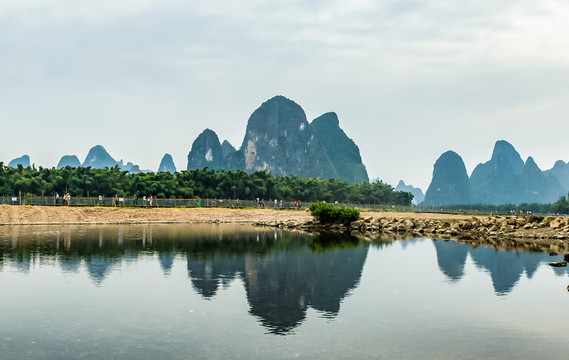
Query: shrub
x=330 y=214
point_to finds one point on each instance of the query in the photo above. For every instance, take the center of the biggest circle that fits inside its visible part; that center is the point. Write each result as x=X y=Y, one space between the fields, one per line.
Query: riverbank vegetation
x=204 y=183
x=333 y=214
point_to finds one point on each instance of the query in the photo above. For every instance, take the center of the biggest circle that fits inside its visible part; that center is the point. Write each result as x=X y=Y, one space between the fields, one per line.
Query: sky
x=409 y=80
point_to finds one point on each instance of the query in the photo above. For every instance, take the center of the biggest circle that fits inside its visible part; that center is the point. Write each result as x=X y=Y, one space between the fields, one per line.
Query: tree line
x=561 y=206
x=204 y=183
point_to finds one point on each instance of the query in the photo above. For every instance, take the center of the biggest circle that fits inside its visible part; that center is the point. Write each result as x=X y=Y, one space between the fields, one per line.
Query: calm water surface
x=218 y=292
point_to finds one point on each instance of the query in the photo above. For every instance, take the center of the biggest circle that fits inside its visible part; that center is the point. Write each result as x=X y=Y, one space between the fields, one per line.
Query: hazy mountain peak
x=23 y=160
x=99 y=158
x=167 y=164
x=530 y=162
x=450 y=184
x=418 y=195
x=505 y=154
x=69 y=160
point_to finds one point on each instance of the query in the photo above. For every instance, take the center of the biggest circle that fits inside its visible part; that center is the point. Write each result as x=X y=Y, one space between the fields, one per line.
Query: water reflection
x=284 y=273
x=505 y=267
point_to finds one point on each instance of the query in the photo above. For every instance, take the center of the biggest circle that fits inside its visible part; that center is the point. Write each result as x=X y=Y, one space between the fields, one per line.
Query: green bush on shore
x=330 y=214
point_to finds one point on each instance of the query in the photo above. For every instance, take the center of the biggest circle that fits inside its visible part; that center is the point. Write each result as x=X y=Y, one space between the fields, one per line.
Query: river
x=236 y=291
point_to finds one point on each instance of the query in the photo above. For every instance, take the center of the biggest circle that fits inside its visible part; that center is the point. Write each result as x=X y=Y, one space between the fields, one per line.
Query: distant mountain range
x=22 y=160
x=504 y=179
x=278 y=138
x=418 y=195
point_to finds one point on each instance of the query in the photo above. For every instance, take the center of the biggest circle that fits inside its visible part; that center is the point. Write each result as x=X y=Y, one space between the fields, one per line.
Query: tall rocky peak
x=69 y=160
x=505 y=163
x=341 y=150
x=22 y=160
x=498 y=181
x=99 y=158
x=280 y=139
x=418 y=195
x=227 y=148
x=530 y=167
x=505 y=155
x=561 y=172
x=450 y=184
x=206 y=152
x=167 y=164
x=538 y=187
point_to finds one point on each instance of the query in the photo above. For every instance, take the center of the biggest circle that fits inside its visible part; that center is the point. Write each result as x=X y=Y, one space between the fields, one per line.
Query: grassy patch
x=330 y=214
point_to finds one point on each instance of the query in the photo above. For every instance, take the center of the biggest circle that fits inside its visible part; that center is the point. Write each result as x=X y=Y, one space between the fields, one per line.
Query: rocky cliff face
x=341 y=150
x=206 y=152
x=279 y=139
x=22 y=160
x=450 y=184
x=69 y=160
x=99 y=158
x=167 y=164
x=418 y=195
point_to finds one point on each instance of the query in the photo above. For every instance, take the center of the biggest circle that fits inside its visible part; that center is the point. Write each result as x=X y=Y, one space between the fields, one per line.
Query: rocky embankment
x=530 y=232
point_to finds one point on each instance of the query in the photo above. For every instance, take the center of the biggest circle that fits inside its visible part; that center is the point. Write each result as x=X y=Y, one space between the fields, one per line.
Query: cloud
x=379 y=64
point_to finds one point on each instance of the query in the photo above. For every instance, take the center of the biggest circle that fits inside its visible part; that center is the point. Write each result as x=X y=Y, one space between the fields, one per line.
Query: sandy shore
x=57 y=215
x=539 y=237
x=52 y=215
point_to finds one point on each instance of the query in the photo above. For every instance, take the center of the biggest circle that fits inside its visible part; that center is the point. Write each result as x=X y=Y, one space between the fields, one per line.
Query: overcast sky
x=408 y=79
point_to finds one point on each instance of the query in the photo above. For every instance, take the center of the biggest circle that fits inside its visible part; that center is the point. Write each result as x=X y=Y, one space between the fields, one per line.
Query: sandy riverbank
x=52 y=215
x=57 y=215
x=541 y=234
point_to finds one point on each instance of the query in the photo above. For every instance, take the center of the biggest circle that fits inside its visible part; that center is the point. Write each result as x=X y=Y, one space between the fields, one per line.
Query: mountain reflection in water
x=505 y=267
x=284 y=273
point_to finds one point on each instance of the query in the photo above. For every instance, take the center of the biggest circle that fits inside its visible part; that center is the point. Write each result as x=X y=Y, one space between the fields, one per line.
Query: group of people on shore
x=151 y=201
x=296 y=204
x=66 y=199
x=120 y=201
